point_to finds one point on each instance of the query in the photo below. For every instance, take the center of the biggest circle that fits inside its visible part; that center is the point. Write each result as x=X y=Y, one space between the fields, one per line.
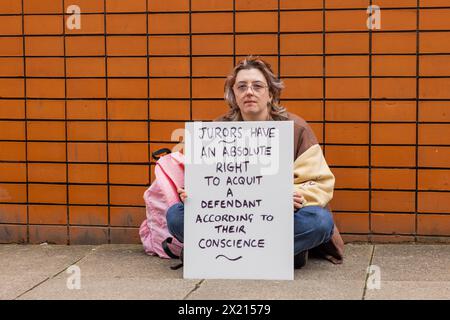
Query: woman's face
x=252 y=94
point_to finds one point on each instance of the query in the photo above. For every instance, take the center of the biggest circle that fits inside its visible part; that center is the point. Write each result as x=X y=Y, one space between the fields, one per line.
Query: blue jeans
x=313 y=225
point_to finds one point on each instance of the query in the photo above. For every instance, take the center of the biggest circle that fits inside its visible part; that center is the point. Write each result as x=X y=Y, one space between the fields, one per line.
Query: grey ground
x=407 y=271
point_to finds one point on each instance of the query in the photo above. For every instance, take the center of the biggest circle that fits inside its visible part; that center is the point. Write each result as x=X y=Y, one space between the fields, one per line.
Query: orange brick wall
x=82 y=110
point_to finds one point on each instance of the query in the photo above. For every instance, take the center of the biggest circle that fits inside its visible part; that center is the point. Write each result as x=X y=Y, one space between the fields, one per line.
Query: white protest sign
x=238 y=217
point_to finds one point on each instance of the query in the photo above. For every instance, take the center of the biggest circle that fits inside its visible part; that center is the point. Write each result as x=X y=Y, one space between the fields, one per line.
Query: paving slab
x=319 y=279
x=413 y=262
x=118 y=272
x=356 y=260
x=126 y=272
x=99 y=288
x=128 y=260
x=406 y=290
x=275 y=290
x=24 y=266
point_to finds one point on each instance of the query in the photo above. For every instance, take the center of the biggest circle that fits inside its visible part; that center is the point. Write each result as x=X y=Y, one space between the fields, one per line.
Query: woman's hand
x=182 y=194
x=299 y=200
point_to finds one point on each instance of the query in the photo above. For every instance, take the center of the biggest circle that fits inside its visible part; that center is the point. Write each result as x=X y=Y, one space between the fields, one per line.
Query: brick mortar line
x=367 y=274
x=58 y=273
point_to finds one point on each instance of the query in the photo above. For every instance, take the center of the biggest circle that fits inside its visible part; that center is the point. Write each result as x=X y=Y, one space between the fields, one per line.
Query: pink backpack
x=160 y=196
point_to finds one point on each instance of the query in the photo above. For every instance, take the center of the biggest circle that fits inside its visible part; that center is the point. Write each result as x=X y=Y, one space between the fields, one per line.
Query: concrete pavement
x=411 y=271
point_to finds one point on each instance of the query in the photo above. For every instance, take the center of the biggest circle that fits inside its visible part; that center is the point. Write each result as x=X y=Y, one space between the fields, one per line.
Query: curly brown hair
x=276 y=111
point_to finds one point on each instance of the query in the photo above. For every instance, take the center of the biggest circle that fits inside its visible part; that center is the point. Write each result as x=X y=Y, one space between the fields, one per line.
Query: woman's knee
x=323 y=222
x=175 y=216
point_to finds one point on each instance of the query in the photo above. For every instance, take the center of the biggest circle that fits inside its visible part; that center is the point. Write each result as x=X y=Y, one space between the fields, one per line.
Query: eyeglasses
x=258 y=88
